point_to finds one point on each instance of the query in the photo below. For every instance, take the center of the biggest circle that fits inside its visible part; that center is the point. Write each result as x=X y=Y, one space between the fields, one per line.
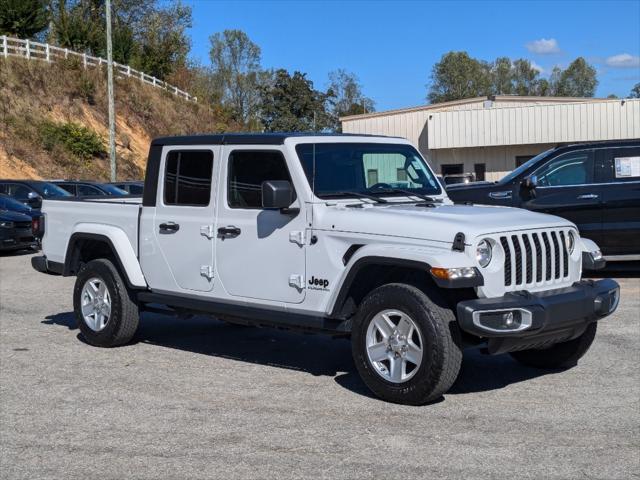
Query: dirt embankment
x=34 y=93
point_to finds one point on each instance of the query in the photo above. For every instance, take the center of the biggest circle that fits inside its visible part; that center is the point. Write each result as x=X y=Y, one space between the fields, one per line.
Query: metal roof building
x=490 y=136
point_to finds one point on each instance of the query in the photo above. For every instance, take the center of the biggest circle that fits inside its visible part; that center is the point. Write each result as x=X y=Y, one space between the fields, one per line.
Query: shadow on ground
x=18 y=253
x=315 y=354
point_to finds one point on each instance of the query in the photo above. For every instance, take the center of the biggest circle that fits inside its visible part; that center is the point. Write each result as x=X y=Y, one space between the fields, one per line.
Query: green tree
x=23 y=18
x=525 y=78
x=79 y=25
x=502 y=76
x=458 y=76
x=346 y=95
x=290 y=103
x=577 y=80
x=163 y=41
x=635 y=91
x=236 y=72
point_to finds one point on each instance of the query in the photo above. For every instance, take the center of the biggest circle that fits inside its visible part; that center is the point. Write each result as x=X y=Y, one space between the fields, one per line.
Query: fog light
x=606 y=303
x=503 y=321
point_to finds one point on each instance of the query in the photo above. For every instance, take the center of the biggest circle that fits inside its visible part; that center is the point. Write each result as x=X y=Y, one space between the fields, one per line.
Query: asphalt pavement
x=198 y=398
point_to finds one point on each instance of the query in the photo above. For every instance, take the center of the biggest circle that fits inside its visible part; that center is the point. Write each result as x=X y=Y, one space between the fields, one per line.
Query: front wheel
x=105 y=309
x=560 y=355
x=406 y=344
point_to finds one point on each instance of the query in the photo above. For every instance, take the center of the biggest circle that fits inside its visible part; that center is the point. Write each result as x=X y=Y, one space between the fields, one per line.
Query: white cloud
x=623 y=60
x=537 y=67
x=544 y=46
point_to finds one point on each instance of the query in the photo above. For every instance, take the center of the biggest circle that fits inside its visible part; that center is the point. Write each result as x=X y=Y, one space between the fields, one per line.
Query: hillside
x=53 y=121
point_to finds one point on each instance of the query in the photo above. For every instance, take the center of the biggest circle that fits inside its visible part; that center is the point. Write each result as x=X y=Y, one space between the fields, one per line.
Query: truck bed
x=63 y=217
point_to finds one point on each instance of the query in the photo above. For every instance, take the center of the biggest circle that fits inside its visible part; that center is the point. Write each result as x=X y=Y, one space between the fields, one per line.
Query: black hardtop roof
x=246 y=138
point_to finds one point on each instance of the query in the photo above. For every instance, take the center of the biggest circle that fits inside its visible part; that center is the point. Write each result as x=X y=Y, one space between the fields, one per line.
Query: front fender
x=395 y=255
x=120 y=244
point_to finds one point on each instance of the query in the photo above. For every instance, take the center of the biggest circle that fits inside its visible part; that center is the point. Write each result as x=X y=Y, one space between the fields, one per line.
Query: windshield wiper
x=359 y=194
x=426 y=198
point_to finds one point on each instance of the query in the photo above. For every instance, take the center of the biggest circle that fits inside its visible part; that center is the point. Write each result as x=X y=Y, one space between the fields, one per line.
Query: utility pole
x=112 y=120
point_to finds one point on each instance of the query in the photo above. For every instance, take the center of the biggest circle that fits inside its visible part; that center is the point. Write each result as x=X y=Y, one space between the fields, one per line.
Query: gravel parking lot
x=197 y=398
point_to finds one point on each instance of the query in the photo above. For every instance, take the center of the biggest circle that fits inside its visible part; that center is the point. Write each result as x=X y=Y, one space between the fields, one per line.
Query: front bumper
x=542 y=318
x=15 y=239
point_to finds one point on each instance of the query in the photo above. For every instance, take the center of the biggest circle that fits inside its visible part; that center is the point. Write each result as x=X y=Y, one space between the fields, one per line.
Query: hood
x=9 y=216
x=440 y=223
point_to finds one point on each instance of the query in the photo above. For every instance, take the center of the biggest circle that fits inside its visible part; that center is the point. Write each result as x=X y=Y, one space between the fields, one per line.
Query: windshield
x=113 y=190
x=524 y=167
x=49 y=190
x=347 y=169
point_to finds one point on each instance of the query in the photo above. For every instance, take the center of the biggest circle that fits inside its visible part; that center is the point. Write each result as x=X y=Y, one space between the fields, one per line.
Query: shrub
x=74 y=138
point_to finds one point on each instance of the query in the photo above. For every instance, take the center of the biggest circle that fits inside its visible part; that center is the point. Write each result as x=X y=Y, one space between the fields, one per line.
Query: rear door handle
x=169 y=227
x=229 y=231
x=588 y=196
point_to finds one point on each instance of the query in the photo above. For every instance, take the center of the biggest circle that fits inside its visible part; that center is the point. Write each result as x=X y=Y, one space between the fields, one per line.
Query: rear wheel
x=560 y=355
x=105 y=309
x=406 y=345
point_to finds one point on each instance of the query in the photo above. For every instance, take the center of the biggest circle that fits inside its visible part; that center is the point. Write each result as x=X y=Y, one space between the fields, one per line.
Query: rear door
x=181 y=256
x=620 y=175
x=567 y=188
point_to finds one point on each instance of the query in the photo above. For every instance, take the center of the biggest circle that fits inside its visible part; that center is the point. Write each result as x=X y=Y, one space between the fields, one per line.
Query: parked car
x=81 y=188
x=456 y=178
x=594 y=185
x=133 y=187
x=31 y=192
x=13 y=205
x=291 y=231
x=15 y=231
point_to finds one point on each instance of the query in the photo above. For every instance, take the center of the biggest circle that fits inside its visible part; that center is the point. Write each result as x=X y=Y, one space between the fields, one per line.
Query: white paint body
x=256 y=268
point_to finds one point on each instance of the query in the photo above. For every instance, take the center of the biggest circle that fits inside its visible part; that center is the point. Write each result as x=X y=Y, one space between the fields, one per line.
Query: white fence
x=16 y=47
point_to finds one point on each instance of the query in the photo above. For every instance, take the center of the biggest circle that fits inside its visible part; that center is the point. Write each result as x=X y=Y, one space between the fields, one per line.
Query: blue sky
x=392 y=46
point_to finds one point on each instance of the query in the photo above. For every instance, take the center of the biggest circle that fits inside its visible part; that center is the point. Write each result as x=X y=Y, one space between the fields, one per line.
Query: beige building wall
x=496 y=131
x=498 y=160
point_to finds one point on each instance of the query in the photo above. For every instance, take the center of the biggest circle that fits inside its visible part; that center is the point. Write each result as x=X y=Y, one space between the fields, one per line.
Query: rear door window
x=187 y=178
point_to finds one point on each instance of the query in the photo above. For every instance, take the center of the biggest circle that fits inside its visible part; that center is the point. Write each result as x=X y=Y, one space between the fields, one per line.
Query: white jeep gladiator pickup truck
x=347 y=235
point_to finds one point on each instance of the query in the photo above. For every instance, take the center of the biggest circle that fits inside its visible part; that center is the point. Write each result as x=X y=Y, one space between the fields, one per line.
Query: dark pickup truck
x=594 y=185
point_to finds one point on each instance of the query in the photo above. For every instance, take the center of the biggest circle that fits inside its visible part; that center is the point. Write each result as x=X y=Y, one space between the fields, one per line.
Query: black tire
x=124 y=317
x=560 y=355
x=442 y=354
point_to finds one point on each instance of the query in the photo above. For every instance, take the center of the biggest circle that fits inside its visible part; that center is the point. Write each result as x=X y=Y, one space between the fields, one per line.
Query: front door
x=183 y=221
x=566 y=187
x=260 y=253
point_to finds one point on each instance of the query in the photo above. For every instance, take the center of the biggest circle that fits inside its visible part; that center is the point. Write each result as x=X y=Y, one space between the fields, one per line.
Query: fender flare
x=117 y=239
x=393 y=256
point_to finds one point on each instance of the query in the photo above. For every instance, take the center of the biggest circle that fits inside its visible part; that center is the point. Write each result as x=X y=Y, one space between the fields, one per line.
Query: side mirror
x=530 y=182
x=277 y=194
x=34 y=200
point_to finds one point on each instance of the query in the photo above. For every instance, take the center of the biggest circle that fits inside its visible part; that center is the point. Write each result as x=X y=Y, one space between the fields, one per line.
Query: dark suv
x=31 y=192
x=594 y=185
x=82 y=188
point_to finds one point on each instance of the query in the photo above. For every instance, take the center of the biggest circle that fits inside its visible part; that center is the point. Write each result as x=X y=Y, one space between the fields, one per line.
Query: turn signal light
x=453 y=273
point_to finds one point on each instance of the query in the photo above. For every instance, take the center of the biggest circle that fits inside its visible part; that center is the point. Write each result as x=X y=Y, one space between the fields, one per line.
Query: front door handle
x=229 y=231
x=169 y=227
x=588 y=196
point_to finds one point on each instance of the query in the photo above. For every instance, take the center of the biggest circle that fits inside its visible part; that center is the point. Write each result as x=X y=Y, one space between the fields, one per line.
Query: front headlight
x=570 y=242
x=6 y=224
x=483 y=253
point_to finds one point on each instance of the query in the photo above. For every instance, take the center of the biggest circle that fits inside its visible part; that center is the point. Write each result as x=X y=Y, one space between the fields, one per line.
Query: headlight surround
x=6 y=224
x=570 y=242
x=484 y=252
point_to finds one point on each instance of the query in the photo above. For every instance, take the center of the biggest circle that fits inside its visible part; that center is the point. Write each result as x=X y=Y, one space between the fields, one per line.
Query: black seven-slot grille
x=544 y=254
